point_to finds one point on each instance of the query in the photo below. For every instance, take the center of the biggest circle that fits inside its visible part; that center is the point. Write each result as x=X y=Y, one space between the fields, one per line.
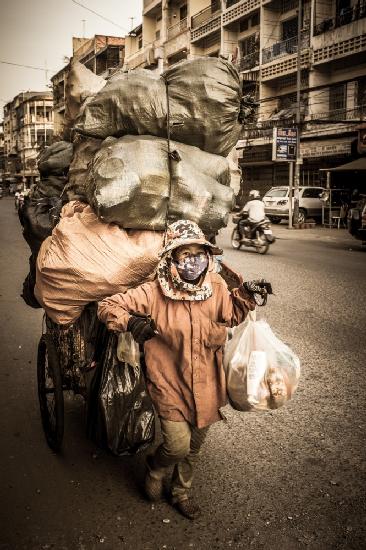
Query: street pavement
x=287 y=479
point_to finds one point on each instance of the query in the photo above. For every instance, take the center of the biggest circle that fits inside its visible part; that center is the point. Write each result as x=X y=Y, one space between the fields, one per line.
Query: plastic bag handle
x=252 y=315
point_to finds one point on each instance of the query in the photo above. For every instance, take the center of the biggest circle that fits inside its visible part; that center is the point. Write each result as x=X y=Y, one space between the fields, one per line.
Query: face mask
x=191 y=267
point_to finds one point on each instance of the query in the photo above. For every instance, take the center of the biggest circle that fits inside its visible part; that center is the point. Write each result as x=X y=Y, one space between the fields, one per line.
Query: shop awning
x=359 y=164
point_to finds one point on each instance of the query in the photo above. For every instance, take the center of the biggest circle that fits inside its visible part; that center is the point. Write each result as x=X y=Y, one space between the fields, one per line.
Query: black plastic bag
x=29 y=284
x=120 y=412
x=36 y=220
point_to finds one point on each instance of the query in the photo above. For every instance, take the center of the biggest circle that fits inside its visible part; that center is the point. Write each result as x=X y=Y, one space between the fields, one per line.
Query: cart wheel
x=50 y=393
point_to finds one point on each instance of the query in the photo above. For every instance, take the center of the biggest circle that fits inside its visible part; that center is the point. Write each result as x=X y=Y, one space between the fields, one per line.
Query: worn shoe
x=187 y=508
x=153 y=485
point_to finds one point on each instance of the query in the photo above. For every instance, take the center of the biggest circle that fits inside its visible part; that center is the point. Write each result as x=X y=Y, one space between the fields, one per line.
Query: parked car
x=276 y=202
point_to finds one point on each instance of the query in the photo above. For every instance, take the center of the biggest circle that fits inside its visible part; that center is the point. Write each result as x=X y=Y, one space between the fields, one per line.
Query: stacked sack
x=125 y=181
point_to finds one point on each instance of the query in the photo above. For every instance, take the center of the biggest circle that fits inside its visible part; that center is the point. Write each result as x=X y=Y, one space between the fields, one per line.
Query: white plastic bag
x=128 y=350
x=262 y=373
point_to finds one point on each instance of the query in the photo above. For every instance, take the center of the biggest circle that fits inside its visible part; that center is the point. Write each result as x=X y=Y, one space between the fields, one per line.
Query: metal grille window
x=183 y=12
x=289 y=28
x=337 y=98
x=248 y=45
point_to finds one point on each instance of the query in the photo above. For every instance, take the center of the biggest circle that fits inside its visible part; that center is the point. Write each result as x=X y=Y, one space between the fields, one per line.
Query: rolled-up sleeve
x=116 y=310
x=242 y=303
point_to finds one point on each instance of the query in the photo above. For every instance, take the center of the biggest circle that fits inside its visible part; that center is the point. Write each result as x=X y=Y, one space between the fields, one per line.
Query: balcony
x=286 y=47
x=337 y=50
x=239 y=8
x=206 y=21
x=248 y=62
x=348 y=16
x=284 y=66
x=356 y=114
x=150 y=5
x=178 y=28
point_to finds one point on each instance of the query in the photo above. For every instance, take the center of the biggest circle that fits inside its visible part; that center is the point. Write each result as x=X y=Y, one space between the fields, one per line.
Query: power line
x=25 y=66
x=99 y=15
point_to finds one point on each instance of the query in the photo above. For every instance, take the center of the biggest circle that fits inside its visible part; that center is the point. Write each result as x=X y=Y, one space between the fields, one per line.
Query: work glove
x=259 y=286
x=142 y=327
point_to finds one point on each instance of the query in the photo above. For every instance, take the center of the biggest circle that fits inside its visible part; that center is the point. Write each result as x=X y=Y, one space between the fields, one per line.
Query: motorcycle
x=258 y=236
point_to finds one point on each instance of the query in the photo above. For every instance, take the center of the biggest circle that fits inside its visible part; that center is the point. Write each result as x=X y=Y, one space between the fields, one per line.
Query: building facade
x=28 y=127
x=261 y=38
x=101 y=54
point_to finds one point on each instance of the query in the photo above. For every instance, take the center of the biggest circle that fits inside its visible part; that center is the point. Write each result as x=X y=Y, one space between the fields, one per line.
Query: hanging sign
x=284 y=144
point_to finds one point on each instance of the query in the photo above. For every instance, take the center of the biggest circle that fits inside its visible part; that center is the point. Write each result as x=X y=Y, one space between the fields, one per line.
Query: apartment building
x=28 y=126
x=2 y=155
x=261 y=38
x=101 y=54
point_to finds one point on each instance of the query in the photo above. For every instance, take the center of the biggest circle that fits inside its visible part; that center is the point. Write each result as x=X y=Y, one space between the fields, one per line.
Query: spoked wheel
x=50 y=392
x=235 y=239
x=264 y=246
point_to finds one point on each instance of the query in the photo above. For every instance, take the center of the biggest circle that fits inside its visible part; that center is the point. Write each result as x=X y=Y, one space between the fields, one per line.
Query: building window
x=140 y=42
x=255 y=19
x=157 y=35
x=183 y=12
x=289 y=28
x=244 y=25
x=337 y=98
x=248 y=45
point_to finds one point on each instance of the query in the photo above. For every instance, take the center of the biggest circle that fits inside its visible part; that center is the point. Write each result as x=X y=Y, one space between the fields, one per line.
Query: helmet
x=254 y=194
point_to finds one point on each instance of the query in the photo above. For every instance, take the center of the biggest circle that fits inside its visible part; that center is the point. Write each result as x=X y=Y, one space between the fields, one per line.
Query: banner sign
x=284 y=144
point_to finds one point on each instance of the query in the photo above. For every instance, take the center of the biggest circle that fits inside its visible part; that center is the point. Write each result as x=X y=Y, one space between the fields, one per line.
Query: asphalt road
x=288 y=479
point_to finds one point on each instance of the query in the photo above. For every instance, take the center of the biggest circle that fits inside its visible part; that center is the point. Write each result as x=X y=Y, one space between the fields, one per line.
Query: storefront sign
x=315 y=149
x=284 y=144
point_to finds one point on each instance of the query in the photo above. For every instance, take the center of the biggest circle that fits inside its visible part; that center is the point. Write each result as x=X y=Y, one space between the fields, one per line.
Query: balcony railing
x=356 y=113
x=248 y=61
x=286 y=47
x=206 y=14
x=347 y=16
x=179 y=27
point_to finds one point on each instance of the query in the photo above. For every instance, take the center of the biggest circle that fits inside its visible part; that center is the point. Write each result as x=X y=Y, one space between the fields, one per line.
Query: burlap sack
x=204 y=98
x=84 y=151
x=55 y=159
x=81 y=83
x=86 y=260
x=129 y=183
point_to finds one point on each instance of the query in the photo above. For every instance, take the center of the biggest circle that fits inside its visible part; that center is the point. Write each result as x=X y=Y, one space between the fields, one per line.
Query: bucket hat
x=184 y=232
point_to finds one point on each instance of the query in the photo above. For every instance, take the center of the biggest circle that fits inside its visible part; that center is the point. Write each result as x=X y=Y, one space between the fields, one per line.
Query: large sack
x=36 y=219
x=51 y=186
x=204 y=99
x=129 y=182
x=84 y=151
x=81 y=84
x=55 y=159
x=86 y=260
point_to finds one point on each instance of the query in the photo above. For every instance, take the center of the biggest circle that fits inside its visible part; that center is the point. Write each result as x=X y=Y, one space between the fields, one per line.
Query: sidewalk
x=319 y=232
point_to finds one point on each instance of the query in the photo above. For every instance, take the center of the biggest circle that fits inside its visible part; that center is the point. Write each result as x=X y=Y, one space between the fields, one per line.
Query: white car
x=276 y=203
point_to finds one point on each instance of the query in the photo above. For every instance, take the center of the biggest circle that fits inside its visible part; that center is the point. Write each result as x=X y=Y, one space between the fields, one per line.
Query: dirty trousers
x=181 y=448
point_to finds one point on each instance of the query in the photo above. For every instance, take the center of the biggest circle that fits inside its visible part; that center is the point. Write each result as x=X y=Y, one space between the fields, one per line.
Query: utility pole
x=298 y=115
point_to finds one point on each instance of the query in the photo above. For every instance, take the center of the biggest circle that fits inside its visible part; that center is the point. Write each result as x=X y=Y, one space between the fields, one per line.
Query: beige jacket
x=184 y=374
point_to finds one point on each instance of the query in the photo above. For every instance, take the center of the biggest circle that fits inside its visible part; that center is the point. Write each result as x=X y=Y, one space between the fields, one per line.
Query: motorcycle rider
x=252 y=213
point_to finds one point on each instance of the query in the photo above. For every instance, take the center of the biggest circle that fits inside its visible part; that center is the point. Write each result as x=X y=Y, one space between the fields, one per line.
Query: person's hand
x=258 y=286
x=142 y=328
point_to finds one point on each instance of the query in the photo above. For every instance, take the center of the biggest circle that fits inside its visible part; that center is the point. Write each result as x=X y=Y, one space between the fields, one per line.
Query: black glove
x=258 y=286
x=142 y=327
x=261 y=287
